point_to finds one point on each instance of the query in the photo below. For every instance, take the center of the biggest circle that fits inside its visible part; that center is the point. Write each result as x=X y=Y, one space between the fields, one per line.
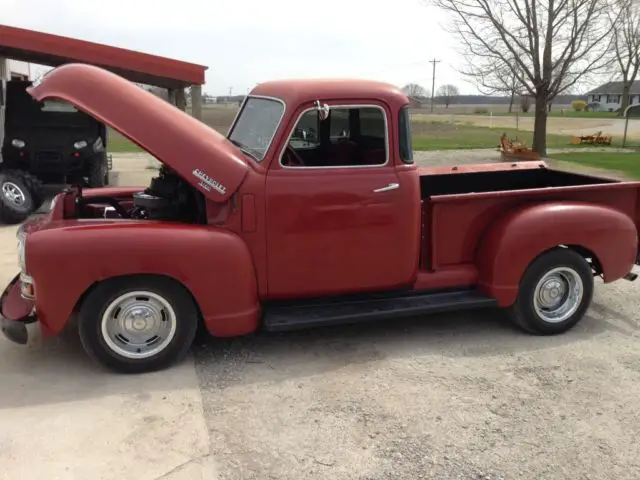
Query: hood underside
x=199 y=154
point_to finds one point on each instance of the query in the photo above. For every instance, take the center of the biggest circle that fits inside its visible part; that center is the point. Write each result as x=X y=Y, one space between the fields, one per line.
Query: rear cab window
x=404 y=135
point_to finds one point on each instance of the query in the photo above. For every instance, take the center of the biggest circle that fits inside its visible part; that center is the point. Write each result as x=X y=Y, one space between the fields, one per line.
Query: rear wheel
x=20 y=195
x=98 y=171
x=138 y=324
x=555 y=293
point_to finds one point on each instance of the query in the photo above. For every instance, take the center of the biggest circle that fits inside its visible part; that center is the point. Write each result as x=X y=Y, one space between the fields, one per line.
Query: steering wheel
x=294 y=160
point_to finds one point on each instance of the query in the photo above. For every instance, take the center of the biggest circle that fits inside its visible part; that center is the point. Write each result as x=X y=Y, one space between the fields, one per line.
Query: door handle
x=391 y=186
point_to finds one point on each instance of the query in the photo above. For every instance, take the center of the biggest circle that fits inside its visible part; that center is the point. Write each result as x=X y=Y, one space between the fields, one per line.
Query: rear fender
x=512 y=242
x=214 y=265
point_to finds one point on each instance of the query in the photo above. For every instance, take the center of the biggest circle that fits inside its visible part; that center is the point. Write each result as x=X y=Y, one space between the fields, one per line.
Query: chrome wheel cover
x=138 y=324
x=13 y=194
x=558 y=294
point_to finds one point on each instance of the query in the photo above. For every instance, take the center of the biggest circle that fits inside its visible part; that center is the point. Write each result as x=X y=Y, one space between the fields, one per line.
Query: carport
x=54 y=50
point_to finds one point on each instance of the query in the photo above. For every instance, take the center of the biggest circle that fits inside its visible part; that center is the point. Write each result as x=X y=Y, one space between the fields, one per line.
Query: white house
x=609 y=95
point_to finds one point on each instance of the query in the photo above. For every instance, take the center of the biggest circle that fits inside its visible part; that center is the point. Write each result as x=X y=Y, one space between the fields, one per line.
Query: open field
x=429 y=131
x=568 y=113
x=438 y=135
x=455 y=109
x=555 y=125
x=452 y=396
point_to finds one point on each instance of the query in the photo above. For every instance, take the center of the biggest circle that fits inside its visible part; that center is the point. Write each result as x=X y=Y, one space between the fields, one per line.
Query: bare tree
x=548 y=45
x=498 y=78
x=626 y=44
x=414 y=91
x=449 y=93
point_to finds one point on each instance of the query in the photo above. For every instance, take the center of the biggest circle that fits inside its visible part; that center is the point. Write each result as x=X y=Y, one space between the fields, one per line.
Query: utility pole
x=433 y=82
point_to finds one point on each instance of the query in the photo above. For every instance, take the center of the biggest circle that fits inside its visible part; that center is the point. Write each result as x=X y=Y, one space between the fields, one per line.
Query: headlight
x=21 y=252
x=18 y=143
x=80 y=144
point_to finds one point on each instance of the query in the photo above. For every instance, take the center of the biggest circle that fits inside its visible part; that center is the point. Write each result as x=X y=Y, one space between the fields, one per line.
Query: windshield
x=256 y=125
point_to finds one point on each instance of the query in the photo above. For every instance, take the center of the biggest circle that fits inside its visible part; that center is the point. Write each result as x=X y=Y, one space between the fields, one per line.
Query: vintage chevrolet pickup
x=310 y=212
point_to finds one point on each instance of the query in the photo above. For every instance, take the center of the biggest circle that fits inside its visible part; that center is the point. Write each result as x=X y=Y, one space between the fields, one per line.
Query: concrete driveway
x=457 y=396
x=62 y=417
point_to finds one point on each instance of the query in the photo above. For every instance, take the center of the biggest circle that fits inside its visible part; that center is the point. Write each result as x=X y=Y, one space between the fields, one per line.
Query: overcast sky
x=244 y=42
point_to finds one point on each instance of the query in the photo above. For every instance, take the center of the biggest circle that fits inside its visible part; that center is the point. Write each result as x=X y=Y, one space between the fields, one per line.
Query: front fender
x=512 y=242
x=214 y=265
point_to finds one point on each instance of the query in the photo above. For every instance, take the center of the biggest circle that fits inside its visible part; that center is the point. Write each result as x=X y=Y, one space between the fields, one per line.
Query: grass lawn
x=447 y=136
x=626 y=163
x=116 y=143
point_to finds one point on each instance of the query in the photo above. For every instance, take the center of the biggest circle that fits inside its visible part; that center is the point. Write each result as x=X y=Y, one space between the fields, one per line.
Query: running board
x=297 y=316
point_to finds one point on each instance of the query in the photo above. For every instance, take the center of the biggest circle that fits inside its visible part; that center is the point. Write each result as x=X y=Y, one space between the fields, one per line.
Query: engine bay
x=167 y=198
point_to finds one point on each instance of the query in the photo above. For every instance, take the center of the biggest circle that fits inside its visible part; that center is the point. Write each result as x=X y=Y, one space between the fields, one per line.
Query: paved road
x=455 y=396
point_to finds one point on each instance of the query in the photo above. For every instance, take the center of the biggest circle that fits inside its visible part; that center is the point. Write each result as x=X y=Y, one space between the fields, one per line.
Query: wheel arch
x=214 y=266
x=117 y=278
x=606 y=236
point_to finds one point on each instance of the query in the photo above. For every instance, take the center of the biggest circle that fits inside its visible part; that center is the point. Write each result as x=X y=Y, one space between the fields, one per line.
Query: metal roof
x=615 y=88
x=54 y=50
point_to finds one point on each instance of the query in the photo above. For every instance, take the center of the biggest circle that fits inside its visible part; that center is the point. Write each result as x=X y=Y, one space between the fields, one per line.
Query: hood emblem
x=208 y=183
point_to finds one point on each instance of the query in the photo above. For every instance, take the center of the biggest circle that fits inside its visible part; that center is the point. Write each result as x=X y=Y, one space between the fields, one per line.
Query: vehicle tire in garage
x=98 y=171
x=20 y=195
x=555 y=293
x=138 y=324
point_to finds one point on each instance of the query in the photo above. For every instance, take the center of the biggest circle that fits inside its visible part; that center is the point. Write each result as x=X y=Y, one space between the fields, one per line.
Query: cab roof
x=296 y=92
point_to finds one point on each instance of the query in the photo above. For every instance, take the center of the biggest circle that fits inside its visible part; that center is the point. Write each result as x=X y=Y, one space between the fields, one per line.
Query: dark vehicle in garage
x=49 y=142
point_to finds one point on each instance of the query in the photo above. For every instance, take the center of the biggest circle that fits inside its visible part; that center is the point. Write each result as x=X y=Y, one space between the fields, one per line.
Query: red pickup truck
x=310 y=212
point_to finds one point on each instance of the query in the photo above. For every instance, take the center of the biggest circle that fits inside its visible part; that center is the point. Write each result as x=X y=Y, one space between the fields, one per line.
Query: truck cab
x=341 y=191
x=311 y=211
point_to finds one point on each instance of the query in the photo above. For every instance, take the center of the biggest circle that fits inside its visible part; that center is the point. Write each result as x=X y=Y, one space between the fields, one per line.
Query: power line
x=433 y=82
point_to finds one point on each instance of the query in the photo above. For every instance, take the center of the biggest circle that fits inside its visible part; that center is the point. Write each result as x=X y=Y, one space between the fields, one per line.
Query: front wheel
x=137 y=324
x=555 y=293
x=18 y=196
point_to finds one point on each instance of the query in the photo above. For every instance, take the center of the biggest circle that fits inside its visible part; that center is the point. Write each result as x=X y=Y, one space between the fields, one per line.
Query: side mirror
x=323 y=110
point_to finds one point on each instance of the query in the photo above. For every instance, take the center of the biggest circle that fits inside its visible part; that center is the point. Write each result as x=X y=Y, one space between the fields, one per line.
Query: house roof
x=615 y=88
x=54 y=50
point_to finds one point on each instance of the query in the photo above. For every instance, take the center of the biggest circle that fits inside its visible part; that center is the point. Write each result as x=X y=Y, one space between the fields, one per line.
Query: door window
x=351 y=136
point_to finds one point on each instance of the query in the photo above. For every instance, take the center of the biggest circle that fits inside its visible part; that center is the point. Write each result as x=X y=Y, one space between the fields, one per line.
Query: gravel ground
x=456 y=396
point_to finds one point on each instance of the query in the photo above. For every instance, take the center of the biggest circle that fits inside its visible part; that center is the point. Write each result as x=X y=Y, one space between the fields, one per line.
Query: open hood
x=196 y=152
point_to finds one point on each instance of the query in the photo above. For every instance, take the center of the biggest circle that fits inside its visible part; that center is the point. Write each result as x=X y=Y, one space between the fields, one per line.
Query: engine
x=169 y=198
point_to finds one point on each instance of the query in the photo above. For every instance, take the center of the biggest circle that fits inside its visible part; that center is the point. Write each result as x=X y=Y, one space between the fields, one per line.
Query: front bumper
x=17 y=314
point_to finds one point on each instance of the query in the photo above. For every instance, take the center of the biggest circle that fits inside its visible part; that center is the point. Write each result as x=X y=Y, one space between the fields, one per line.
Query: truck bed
x=462 y=181
x=459 y=203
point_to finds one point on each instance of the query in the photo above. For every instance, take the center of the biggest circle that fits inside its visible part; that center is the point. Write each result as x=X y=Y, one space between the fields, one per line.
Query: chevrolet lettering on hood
x=208 y=183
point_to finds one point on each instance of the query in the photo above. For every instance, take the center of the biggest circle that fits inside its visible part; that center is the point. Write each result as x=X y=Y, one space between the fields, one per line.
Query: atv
x=48 y=142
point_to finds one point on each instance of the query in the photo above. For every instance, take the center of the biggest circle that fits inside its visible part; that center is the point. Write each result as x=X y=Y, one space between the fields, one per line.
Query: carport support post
x=171 y=96
x=181 y=100
x=196 y=101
